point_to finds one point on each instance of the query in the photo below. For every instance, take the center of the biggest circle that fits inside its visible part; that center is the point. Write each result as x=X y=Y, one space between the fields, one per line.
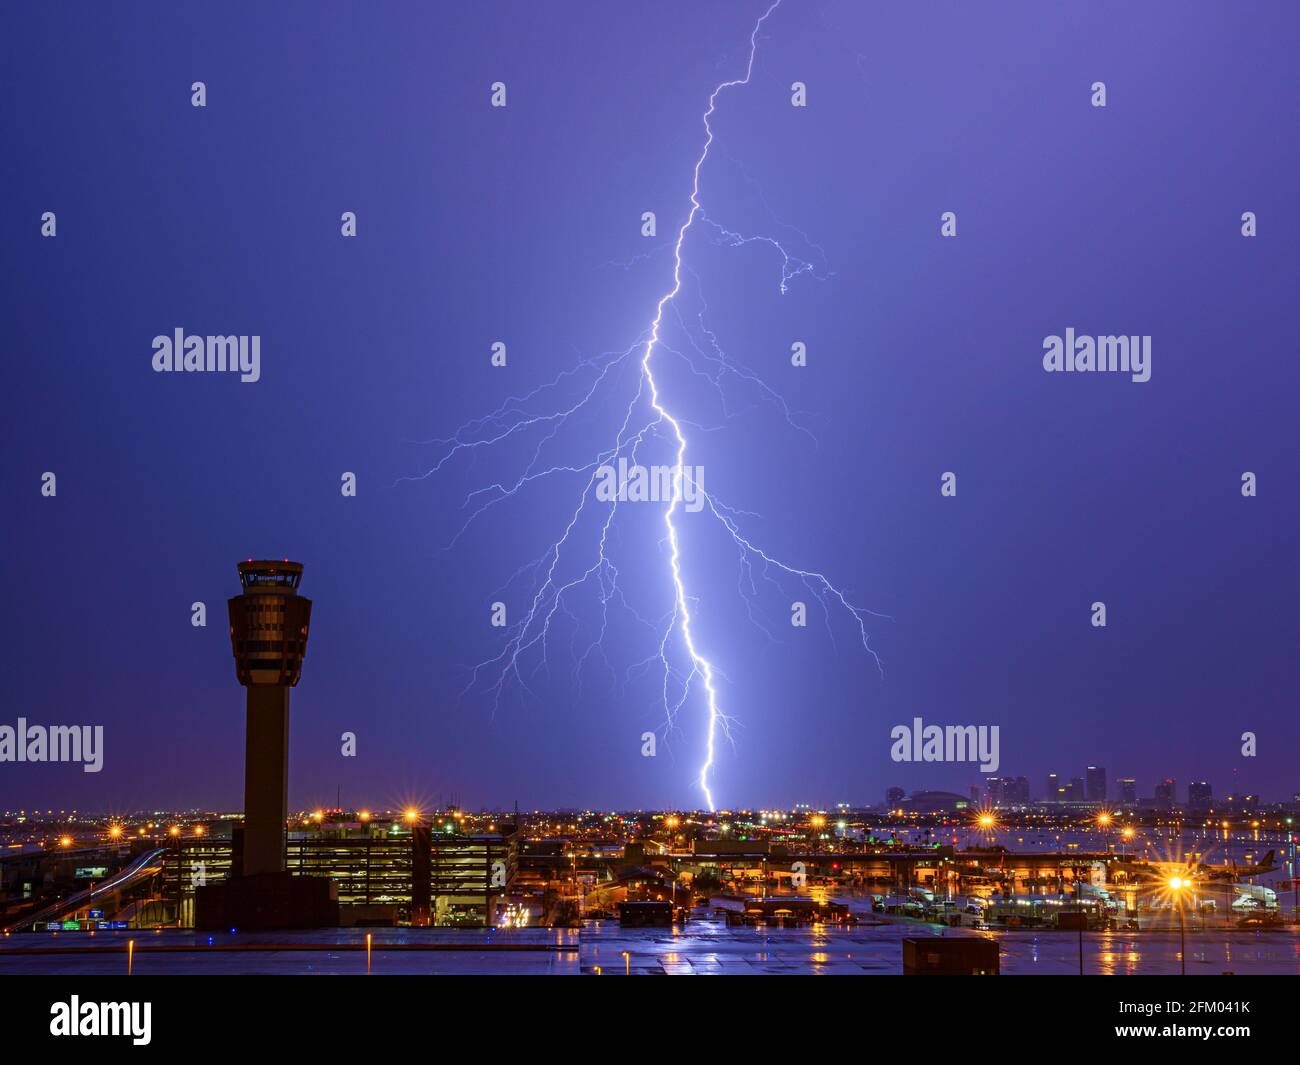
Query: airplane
x=1234 y=872
x=1154 y=875
x=1159 y=872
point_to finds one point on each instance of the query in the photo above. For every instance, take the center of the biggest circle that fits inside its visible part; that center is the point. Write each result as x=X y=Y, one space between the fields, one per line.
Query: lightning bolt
x=700 y=666
x=552 y=583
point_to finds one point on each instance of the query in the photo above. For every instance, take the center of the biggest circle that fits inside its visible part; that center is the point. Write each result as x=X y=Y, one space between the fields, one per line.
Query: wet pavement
x=603 y=947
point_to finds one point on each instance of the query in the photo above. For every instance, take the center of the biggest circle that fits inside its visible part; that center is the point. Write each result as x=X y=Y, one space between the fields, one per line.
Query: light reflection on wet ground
x=702 y=947
x=706 y=947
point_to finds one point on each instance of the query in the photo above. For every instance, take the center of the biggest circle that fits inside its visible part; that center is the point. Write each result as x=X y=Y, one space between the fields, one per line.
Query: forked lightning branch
x=575 y=563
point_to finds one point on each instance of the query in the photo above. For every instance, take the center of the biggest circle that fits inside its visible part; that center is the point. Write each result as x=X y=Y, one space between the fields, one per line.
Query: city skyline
x=1192 y=792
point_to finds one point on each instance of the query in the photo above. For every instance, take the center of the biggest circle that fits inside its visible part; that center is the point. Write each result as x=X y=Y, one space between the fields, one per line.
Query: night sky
x=523 y=225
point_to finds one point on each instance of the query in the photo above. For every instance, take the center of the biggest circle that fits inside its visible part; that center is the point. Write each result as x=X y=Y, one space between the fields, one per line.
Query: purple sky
x=523 y=225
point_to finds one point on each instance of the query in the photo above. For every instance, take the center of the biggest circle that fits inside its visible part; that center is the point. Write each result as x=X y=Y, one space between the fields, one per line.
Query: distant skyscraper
x=1166 y=793
x=1008 y=790
x=1096 y=783
x=1198 y=795
x=894 y=797
x=1053 y=788
x=1128 y=791
x=1074 y=791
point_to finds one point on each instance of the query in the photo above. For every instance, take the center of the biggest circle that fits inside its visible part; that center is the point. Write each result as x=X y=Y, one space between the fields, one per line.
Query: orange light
x=198 y=830
x=412 y=814
x=65 y=841
x=364 y=815
x=174 y=830
x=115 y=831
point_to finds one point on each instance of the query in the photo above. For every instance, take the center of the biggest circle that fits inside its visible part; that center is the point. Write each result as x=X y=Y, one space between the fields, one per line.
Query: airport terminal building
x=385 y=872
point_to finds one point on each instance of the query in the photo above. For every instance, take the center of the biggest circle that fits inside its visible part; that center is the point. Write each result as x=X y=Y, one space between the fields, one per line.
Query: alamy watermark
x=946 y=743
x=55 y=743
x=76 y=1018
x=212 y=354
x=632 y=483
x=1109 y=354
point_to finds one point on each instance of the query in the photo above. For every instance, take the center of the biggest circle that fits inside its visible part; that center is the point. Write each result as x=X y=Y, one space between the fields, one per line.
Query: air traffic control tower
x=268 y=634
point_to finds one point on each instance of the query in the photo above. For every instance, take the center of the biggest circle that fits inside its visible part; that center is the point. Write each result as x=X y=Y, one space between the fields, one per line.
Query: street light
x=1176 y=885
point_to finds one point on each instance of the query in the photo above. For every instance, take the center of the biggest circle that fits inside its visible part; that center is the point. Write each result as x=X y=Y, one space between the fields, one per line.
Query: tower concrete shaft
x=266 y=778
